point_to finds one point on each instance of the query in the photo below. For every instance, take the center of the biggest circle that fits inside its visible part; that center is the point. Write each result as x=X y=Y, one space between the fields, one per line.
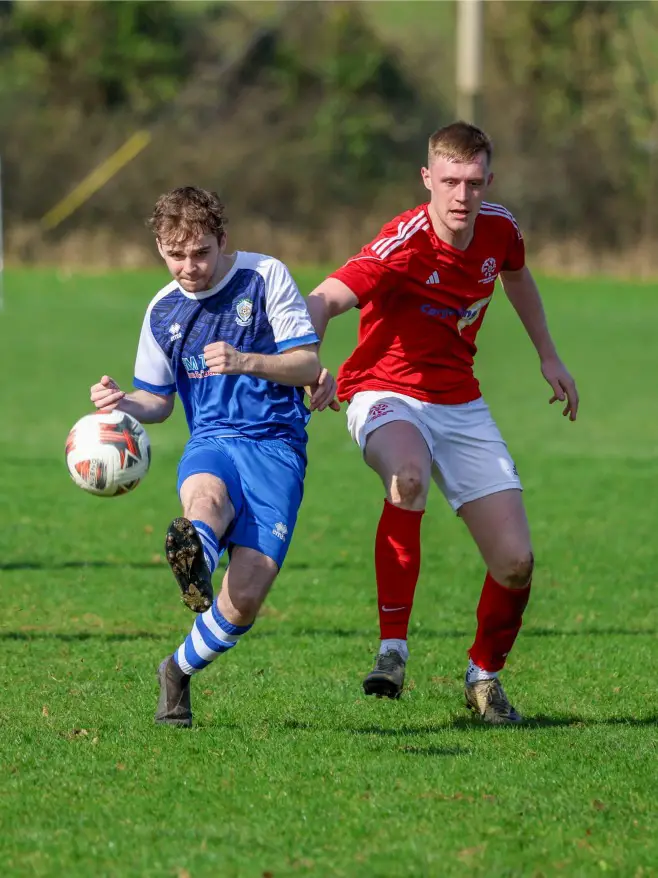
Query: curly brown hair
x=187 y=212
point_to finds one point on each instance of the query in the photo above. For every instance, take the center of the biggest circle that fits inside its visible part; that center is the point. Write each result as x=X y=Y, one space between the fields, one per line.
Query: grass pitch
x=289 y=769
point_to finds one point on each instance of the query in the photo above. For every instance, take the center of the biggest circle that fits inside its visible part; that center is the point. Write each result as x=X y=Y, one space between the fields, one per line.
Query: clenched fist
x=222 y=359
x=107 y=394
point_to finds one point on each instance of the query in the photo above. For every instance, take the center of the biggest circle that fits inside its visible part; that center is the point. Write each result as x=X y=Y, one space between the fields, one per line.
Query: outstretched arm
x=521 y=290
x=148 y=408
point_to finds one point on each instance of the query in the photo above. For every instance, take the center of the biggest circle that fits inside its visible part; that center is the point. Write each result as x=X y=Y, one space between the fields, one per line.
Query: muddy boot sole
x=184 y=552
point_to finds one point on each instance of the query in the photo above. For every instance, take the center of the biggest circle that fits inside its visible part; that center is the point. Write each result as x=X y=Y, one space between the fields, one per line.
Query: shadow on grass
x=379 y=731
x=452 y=633
x=313 y=632
x=138 y=565
x=467 y=724
x=78 y=636
x=82 y=565
x=431 y=750
x=541 y=721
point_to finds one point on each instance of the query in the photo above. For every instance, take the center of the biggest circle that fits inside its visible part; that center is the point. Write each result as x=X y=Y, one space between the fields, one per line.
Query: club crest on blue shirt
x=244 y=307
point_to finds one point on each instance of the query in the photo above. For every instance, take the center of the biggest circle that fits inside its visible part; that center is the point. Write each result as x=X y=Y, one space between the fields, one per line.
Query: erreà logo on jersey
x=244 y=308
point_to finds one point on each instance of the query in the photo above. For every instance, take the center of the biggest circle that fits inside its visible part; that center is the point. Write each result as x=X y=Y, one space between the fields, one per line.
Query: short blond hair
x=188 y=212
x=459 y=142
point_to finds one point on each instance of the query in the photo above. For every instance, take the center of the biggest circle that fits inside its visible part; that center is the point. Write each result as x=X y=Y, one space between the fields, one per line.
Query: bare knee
x=409 y=487
x=207 y=498
x=516 y=570
x=202 y=499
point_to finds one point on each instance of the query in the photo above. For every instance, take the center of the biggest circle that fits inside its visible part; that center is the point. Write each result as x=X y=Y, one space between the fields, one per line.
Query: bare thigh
x=398 y=453
x=499 y=526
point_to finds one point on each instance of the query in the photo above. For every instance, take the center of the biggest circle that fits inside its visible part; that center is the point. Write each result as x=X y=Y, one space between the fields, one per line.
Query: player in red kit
x=423 y=287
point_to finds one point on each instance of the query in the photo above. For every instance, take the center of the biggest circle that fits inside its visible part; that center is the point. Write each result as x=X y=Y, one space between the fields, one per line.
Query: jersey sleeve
x=153 y=369
x=287 y=311
x=375 y=270
x=515 y=256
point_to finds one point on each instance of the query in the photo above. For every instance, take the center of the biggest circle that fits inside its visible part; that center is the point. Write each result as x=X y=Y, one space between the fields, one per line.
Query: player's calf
x=185 y=555
x=211 y=636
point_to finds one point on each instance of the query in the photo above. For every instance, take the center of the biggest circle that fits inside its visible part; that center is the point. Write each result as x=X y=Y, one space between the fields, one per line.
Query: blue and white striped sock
x=211 y=635
x=209 y=542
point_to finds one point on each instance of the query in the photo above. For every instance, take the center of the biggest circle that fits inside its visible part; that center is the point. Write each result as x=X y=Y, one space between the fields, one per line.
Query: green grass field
x=289 y=770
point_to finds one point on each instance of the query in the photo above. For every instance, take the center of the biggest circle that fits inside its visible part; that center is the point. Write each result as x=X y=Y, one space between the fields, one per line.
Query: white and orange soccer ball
x=108 y=453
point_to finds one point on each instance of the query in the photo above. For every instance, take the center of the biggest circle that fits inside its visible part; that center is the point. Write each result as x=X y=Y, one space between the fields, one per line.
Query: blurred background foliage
x=311 y=119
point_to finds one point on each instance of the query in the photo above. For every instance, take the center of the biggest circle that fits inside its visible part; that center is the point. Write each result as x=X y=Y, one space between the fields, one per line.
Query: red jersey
x=422 y=303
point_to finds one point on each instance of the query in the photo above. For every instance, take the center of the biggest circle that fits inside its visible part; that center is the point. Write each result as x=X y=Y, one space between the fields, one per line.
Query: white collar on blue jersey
x=204 y=294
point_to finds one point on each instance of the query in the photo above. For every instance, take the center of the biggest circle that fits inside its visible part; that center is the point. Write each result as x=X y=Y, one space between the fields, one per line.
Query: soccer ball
x=108 y=453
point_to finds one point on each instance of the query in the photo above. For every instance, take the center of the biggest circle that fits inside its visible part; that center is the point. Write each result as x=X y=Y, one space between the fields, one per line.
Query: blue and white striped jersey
x=255 y=308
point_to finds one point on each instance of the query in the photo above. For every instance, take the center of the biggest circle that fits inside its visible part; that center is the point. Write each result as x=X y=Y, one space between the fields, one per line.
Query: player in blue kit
x=231 y=335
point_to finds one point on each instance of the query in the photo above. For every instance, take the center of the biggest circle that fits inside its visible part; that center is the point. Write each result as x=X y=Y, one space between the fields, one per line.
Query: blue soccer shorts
x=265 y=481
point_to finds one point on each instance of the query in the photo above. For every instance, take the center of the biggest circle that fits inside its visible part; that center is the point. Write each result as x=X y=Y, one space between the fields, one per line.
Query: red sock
x=499 y=616
x=397 y=564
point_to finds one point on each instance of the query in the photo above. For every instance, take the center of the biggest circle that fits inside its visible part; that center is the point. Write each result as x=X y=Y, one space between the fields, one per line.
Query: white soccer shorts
x=469 y=456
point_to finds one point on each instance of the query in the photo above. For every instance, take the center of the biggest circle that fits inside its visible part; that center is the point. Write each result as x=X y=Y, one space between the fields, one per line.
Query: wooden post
x=470 y=39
